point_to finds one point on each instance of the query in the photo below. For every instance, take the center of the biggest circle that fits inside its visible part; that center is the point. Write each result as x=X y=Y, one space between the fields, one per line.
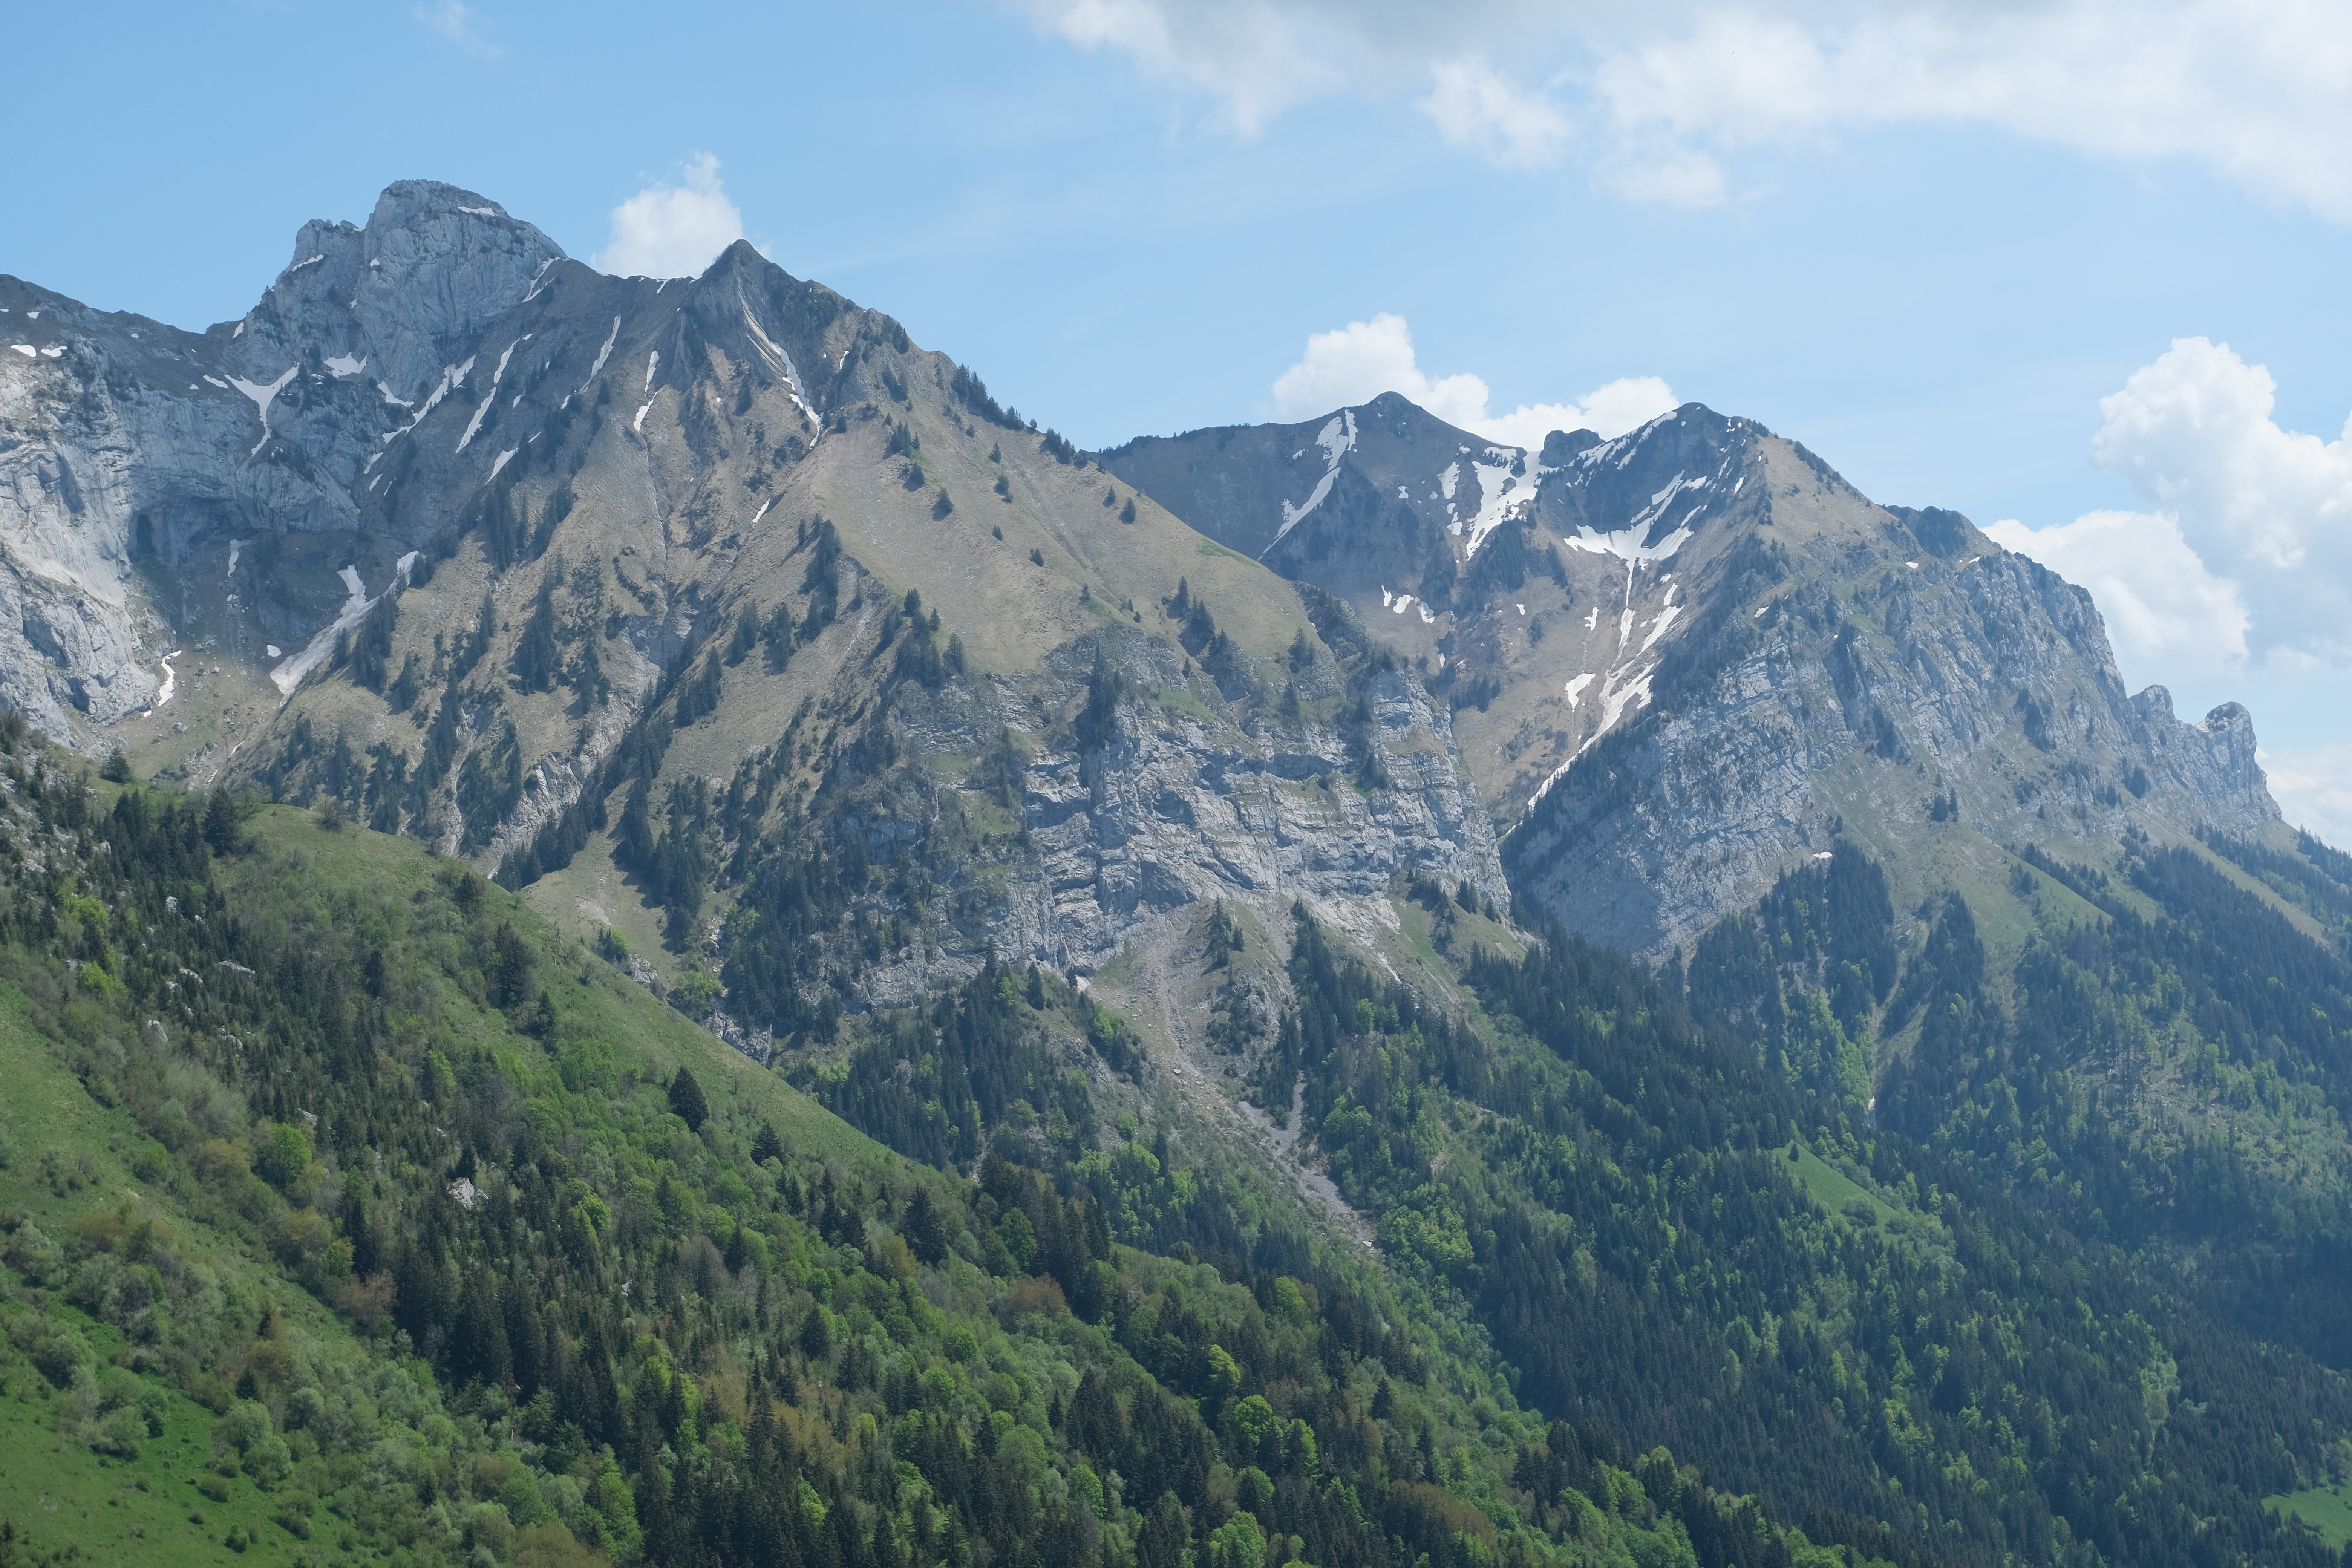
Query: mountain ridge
x=1549 y=606
x=1870 y=1067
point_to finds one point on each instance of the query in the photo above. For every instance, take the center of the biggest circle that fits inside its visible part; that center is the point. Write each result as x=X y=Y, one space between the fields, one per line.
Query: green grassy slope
x=351 y=1213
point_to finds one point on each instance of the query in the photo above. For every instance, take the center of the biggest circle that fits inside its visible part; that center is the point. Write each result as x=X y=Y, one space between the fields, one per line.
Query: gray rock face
x=1686 y=658
x=358 y=412
x=1371 y=503
x=434 y=423
x=1656 y=670
x=127 y=441
x=1179 y=803
x=1178 y=809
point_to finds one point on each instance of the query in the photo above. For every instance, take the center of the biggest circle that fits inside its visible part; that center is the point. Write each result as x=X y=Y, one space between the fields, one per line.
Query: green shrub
x=283 y=1156
x=32 y=1254
x=247 y=1424
x=120 y=1432
x=58 y=1351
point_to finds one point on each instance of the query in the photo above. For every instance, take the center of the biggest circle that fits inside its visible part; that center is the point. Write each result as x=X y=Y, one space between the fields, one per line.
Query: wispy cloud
x=461 y=25
x=1476 y=107
x=1661 y=96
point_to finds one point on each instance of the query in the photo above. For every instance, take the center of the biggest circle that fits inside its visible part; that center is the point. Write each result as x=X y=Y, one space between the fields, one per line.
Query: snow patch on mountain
x=1338 y=439
x=263 y=395
x=289 y=675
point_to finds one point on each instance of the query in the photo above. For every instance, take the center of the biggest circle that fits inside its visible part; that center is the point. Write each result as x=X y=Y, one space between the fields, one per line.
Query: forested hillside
x=349 y=1215
x=1663 y=1233
x=2161 y=1066
x=718 y=949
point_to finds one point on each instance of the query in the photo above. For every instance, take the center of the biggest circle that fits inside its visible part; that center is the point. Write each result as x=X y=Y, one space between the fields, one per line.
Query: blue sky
x=1925 y=237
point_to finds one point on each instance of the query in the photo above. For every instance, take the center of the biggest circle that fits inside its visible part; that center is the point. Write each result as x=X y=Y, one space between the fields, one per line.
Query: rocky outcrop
x=1684 y=660
x=1182 y=799
x=1179 y=808
x=394 y=381
x=468 y=513
x=433 y=433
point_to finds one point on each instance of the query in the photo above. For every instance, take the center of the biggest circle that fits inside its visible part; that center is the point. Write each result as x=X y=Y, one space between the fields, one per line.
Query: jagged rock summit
x=751 y=638
x=134 y=444
x=448 y=520
x=1687 y=659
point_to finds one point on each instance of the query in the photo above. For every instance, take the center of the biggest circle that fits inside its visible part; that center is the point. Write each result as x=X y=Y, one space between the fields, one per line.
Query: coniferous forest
x=638 y=928
x=392 y=1228
x=386 y=1229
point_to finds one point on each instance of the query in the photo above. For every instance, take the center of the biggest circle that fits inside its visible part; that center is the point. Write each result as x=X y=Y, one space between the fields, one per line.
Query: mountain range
x=1620 y=1001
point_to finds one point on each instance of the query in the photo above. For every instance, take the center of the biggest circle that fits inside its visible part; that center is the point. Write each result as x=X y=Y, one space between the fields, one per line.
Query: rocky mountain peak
x=1672 y=663
x=396 y=301
x=1684 y=660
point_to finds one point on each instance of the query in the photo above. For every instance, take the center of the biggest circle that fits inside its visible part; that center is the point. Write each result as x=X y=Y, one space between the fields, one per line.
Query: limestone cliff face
x=1181 y=801
x=1178 y=809
x=468 y=534
x=127 y=443
x=1892 y=677
x=1686 y=658
x=240 y=489
x=489 y=546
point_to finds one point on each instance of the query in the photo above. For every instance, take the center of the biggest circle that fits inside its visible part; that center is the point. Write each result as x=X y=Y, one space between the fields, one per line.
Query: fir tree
x=538 y=660
x=686 y=1099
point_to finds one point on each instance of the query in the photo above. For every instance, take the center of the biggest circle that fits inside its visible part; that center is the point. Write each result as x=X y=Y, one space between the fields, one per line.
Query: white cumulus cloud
x=2239 y=569
x=672 y=231
x=1355 y=364
x=2312 y=785
x=2265 y=508
x=2165 y=613
x=2245 y=552
x=1659 y=95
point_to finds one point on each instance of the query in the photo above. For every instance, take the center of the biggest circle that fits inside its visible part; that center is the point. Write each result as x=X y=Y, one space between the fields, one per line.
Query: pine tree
x=538 y=660
x=923 y=1230
x=747 y=634
x=1165 y=1535
x=776 y=634
x=1097 y=721
x=403 y=691
x=220 y=823
x=366 y=650
x=686 y=1099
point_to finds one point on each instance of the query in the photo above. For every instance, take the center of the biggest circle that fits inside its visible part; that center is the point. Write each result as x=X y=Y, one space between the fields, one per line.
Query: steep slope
x=135 y=446
x=349 y=1212
x=1685 y=659
x=1958 y=1184
x=1661 y=1232
x=714 y=610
